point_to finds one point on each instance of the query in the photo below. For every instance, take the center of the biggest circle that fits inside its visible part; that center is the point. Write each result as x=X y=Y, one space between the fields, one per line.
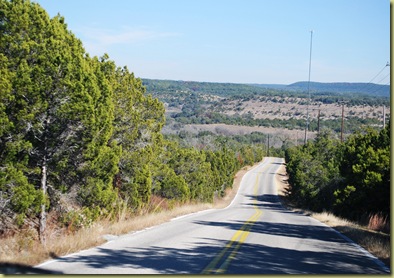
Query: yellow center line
x=238 y=238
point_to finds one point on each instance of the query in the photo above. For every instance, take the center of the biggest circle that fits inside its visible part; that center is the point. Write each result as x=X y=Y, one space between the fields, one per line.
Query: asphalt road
x=254 y=235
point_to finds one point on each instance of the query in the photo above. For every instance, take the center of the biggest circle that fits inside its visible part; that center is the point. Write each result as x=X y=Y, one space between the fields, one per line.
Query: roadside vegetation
x=81 y=140
x=350 y=179
x=345 y=185
x=24 y=247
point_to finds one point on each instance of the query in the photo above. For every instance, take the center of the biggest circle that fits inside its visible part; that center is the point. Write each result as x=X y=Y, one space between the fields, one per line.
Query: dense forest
x=81 y=137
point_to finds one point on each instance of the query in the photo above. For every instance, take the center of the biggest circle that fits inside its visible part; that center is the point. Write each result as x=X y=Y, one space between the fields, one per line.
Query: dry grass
x=25 y=248
x=367 y=236
x=377 y=243
x=378 y=222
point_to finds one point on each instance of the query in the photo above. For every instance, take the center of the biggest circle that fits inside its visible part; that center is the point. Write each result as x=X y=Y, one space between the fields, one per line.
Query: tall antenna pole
x=342 y=123
x=309 y=93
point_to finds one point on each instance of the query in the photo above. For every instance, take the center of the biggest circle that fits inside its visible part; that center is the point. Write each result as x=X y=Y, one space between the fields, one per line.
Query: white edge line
x=211 y=209
x=357 y=246
x=360 y=248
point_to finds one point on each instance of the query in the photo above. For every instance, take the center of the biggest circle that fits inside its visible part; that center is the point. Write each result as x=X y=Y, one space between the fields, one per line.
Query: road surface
x=254 y=235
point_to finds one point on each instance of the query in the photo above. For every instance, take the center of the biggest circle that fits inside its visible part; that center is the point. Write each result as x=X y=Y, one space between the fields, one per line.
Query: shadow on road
x=162 y=260
x=318 y=233
x=256 y=258
x=249 y=259
x=277 y=163
x=266 y=201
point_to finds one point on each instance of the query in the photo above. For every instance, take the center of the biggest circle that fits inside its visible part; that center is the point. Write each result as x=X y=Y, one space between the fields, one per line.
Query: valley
x=237 y=109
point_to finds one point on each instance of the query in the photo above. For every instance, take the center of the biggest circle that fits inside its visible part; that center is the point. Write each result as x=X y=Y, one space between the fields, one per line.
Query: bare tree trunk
x=43 y=218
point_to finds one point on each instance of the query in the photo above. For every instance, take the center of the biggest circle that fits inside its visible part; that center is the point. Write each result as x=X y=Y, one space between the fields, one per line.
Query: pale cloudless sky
x=236 y=41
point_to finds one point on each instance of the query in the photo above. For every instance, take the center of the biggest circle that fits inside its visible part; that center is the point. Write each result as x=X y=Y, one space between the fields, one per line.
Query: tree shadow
x=267 y=201
x=250 y=259
x=258 y=258
x=318 y=233
x=160 y=259
x=277 y=163
x=17 y=268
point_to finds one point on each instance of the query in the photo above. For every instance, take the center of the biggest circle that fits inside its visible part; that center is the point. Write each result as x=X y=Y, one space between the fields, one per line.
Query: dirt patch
x=295 y=108
x=282 y=184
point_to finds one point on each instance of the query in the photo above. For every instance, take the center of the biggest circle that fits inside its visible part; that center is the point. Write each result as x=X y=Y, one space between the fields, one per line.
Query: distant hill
x=229 y=89
x=270 y=86
x=363 y=88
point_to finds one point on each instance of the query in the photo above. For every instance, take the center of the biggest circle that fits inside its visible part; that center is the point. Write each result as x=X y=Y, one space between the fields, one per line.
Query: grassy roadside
x=376 y=243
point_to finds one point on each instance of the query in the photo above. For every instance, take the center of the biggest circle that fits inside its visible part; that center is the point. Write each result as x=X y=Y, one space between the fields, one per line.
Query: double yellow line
x=221 y=262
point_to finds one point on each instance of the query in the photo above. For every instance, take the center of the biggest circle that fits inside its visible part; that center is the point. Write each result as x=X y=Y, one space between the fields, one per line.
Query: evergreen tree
x=137 y=129
x=56 y=111
x=100 y=153
x=313 y=171
x=365 y=167
x=45 y=61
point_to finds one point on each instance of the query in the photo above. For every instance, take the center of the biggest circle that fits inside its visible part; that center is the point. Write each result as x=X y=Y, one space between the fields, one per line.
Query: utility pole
x=384 y=117
x=268 y=146
x=343 y=109
x=309 y=93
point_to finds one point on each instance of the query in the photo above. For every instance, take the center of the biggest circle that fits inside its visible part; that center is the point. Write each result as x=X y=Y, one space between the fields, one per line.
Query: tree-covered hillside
x=370 y=89
x=346 y=91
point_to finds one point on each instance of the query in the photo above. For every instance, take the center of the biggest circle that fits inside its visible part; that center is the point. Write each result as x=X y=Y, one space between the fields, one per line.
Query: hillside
x=345 y=89
x=358 y=88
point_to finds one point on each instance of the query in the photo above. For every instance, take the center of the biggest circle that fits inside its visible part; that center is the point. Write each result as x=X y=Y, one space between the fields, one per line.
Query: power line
x=382 y=85
x=370 y=82
x=387 y=65
x=383 y=78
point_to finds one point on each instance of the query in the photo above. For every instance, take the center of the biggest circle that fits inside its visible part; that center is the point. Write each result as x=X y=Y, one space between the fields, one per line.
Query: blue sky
x=236 y=41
